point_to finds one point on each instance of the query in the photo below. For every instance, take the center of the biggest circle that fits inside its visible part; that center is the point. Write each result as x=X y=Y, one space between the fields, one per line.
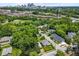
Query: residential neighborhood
x=31 y=30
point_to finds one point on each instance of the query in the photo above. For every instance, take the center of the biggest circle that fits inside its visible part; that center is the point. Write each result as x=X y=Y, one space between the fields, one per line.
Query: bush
x=42 y=38
x=33 y=53
x=35 y=12
x=60 y=53
x=61 y=33
x=16 y=52
x=0 y=50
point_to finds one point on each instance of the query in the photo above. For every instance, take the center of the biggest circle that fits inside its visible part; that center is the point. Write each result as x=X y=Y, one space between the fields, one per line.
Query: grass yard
x=57 y=42
x=60 y=53
x=5 y=46
x=48 y=48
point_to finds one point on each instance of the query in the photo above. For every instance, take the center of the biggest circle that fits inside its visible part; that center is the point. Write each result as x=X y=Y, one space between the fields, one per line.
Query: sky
x=40 y=2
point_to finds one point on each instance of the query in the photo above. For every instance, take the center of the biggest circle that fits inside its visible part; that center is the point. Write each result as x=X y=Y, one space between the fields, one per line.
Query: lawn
x=5 y=46
x=60 y=53
x=16 y=52
x=48 y=48
x=41 y=38
x=57 y=42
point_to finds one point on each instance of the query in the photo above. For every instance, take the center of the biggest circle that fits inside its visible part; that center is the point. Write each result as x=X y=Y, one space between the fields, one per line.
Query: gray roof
x=71 y=34
x=45 y=42
x=57 y=37
x=4 y=39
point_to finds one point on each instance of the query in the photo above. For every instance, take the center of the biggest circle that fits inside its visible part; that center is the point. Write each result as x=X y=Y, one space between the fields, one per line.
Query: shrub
x=35 y=12
x=0 y=50
x=60 y=53
x=16 y=52
x=33 y=53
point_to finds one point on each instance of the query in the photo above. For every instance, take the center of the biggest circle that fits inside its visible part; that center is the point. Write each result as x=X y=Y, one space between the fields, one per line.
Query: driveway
x=52 y=53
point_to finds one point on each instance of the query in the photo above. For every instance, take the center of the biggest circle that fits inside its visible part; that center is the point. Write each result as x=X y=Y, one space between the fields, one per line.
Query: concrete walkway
x=41 y=50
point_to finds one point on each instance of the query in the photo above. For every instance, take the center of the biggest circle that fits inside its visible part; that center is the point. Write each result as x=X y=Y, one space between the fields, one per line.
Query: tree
x=2 y=19
x=33 y=53
x=35 y=12
x=11 y=18
x=68 y=41
x=76 y=39
x=61 y=33
x=5 y=30
x=25 y=37
x=30 y=5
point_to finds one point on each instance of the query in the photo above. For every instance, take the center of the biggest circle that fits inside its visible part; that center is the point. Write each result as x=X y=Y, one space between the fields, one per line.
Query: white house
x=5 y=40
x=6 y=51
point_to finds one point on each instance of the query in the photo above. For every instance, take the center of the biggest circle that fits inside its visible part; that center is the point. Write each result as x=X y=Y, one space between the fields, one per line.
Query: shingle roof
x=3 y=39
x=71 y=34
x=57 y=37
x=45 y=42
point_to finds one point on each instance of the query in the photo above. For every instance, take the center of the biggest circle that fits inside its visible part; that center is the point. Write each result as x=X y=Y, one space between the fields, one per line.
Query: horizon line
x=42 y=4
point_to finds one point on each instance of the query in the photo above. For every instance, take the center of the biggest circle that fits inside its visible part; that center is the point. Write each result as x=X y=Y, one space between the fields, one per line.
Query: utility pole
x=58 y=10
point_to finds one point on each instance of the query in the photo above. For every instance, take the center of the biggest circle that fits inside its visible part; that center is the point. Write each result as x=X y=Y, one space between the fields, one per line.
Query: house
x=58 y=38
x=5 y=40
x=75 y=20
x=62 y=46
x=2 y=11
x=45 y=42
x=71 y=35
x=7 y=51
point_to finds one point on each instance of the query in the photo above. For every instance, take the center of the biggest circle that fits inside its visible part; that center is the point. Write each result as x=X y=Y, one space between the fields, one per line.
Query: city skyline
x=41 y=4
